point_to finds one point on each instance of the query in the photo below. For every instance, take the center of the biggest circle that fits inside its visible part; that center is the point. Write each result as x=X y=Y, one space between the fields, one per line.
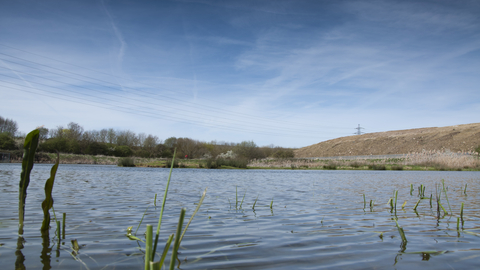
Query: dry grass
x=443 y=160
x=427 y=160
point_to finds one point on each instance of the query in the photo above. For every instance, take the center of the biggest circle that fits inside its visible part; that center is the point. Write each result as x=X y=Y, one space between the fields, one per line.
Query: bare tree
x=8 y=126
x=75 y=131
x=150 y=142
x=102 y=136
x=43 y=133
x=111 y=136
x=141 y=138
x=58 y=133
x=127 y=137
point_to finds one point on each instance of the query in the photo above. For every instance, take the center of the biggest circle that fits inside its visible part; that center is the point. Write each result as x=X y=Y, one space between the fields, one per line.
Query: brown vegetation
x=460 y=138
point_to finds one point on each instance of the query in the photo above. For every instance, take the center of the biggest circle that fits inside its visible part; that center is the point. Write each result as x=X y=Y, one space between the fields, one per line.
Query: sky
x=287 y=73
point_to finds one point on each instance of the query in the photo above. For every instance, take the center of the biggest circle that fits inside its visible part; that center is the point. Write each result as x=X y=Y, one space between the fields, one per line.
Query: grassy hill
x=459 y=138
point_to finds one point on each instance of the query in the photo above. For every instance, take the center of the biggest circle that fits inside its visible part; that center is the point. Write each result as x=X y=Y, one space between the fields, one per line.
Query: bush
x=96 y=148
x=126 y=162
x=377 y=167
x=169 y=163
x=283 y=153
x=122 y=151
x=7 y=142
x=212 y=163
x=330 y=166
x=53 y=145
x=397 y=167
x=248 y=150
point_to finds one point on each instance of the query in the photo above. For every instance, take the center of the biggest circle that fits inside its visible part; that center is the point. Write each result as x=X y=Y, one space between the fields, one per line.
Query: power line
x=164 y=96
x=129 y=99
x=146 y=113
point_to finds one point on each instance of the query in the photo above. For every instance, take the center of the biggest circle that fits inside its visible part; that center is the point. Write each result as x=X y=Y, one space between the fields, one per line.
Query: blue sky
x=288 y=73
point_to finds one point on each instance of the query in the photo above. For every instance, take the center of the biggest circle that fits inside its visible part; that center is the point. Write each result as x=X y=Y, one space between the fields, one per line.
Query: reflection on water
x=319 y=219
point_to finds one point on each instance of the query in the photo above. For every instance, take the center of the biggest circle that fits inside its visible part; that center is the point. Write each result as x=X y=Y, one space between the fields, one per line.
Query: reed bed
x=427 y=160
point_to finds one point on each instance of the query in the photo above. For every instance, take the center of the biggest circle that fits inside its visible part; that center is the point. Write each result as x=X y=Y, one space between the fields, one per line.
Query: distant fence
x=4 y=157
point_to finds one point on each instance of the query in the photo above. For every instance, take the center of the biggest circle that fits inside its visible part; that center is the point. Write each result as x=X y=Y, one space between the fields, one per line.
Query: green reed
x=63 y=225
x=253 y=207
x=163 y=206
x=401 y=232
x=243 y=199
x=446 y=197
x=29 y=148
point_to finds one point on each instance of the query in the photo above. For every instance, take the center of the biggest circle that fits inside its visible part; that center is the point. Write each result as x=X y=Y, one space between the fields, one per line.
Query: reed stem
x=176 y=244
x=58 y=230
x=253 y=207
x=148 y=246
x=63 y=225
x=415 y=207
x=163 y=206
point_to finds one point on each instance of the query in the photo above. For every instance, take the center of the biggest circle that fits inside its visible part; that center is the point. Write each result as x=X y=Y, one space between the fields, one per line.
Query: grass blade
x=445 y=191
x=29 y=148
x=165 y=249
x=253 y=207
x=176 y=245
x=141 y=220
x=163 y=206
x=48 y=202
x=401 y=232
x=193 y=215
x=243 y=199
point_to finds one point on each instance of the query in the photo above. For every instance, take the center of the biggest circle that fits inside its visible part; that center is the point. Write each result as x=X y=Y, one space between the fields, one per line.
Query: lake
x=317 y=220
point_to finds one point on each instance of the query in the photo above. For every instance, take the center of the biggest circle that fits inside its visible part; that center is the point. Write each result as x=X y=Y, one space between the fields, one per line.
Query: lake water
x=318 y=219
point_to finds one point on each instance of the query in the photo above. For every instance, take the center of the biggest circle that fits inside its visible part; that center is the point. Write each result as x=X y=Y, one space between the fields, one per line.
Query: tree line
x=126 y=143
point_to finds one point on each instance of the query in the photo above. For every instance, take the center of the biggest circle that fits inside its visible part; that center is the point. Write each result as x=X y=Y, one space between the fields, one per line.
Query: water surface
x=318 y=219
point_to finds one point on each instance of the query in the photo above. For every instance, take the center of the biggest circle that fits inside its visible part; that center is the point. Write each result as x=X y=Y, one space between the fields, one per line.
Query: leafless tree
x=8 y=126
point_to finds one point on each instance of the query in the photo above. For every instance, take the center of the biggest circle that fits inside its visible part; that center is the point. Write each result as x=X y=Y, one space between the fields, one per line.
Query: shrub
x=212 y=163
x=126 y=162
x=7 y=142
x=397 y=167
x=169 y=163
x=355 y=164
x=122 y=151
x=330 y=166
x=52 y=145
x=96 y=148
x=378 y=167
x=283 y=153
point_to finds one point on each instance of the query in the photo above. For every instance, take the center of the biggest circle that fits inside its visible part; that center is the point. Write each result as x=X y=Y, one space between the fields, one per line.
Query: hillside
x=453 y=138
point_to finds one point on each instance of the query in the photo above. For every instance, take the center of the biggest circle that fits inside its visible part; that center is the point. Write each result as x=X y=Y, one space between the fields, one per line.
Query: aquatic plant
x=151 y=244
x=48 y=202
x=400 y=231
x=126 y=162
x=253 y=207
x=29 y=147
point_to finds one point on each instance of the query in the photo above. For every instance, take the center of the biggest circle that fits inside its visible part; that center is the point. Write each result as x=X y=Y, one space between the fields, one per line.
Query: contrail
x=118 y=34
